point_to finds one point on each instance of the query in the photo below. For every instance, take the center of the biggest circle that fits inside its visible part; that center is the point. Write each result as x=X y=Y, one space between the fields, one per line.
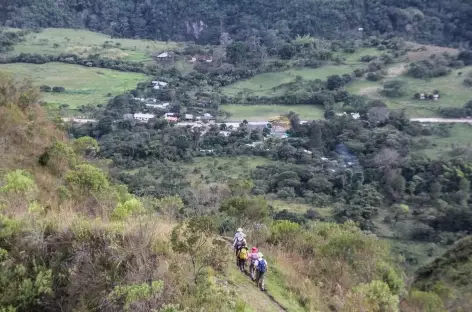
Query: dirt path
x=257 y=300
x=443 y=120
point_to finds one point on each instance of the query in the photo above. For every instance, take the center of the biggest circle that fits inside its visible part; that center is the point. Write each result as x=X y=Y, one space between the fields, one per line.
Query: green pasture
x=54 y=41
x=266 y=84
x=452 y=93
x=84 y=85
x=265 y=112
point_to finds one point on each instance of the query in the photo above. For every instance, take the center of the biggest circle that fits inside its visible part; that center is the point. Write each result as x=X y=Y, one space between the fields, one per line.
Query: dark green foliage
x=450 y=275
x=430 y=68
x=58 y=89
x=9 y=38
x=394 y=88
x=334 y=82
x=434 y=22
x=45 y=88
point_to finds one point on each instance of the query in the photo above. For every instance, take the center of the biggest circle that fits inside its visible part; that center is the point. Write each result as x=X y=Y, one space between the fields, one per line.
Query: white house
x=188 y=117
x=143 y=117
x=208 y=116
x=161 y=106
x=435 y=97
x=163 y=55
x=159 y=84
x=356 y=115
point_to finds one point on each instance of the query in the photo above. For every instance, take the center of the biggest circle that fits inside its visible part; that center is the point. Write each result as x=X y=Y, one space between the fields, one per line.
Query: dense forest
x=440 y=22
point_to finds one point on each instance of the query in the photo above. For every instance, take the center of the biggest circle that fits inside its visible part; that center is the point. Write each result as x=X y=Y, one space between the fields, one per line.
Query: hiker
x=252 y=259
x=239 y=239
x=261 y=269
x=238 y=244
x=242 y=258
x=239 y=235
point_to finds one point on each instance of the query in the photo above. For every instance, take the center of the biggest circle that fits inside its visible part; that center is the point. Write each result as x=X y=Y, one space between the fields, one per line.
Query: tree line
x=438 y=21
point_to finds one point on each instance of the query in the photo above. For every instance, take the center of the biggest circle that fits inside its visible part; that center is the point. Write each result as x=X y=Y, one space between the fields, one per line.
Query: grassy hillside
x=71 y=240
x=54 y=41
x=439 y=146
x=450 y=276
x=84 y=85
x=267 y=83
x=452 y=91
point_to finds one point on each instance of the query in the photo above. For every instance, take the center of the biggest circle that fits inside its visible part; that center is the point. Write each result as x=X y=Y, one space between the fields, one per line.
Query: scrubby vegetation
x=72 y=239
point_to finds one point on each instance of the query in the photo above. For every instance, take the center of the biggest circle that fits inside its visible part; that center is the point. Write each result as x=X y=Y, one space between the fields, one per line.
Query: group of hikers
x=257 y=263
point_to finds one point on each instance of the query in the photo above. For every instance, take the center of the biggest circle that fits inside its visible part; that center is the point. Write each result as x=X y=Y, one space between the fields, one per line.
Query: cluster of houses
x=353 y=115
x=427 y=96
x=200 y=58
x=170 y=117
x=157 y=85
x=168 y=56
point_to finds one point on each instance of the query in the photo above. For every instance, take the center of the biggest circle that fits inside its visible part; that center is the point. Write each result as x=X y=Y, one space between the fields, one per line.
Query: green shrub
x=137 y=292
x=282 y=232
x=425 y=301
x=377 y=297
x=126 y=209
x=88 y=178
x=19 y=182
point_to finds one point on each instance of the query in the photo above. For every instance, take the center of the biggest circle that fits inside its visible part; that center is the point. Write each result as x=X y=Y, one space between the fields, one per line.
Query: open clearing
x=84 y=85
x=452 y=93
x=461 y=136
x=266 y=84
x=217 y=169
x=355 y=58
x=265 y=112
x=429 y=50
x=54 y=41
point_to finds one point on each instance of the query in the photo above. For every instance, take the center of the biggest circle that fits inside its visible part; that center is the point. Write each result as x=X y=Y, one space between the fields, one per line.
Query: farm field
x=84 y=85
x=213 y=169
x=354 y=58
x=265 y=112
x=452 y=92
x=264 y=84
x=460 y=136
x=54 y=41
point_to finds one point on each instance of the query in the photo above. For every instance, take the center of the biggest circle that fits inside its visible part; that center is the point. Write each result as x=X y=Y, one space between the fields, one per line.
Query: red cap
x=254 y=249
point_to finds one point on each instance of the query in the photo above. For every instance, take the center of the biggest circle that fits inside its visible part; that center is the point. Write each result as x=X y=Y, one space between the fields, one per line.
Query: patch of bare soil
x=369 y=91
x=396 y=70
x=427 y=51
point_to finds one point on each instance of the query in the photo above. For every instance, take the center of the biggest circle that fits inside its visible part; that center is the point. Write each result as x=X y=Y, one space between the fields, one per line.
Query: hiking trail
x=247 y=290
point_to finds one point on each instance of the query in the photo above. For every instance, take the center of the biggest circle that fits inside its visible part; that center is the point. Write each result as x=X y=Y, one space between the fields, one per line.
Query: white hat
x=260 y=255
x=239 y=230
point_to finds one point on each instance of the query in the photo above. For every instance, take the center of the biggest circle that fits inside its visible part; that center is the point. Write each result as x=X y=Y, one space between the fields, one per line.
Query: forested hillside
x=437 y=21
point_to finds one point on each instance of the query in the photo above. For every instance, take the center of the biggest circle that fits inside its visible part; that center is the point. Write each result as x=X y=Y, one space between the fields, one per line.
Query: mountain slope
x=450 y=276
x=438 y=21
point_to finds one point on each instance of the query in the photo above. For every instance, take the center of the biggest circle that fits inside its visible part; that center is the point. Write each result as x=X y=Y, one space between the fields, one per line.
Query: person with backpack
x=261 y=270
x=238 y=236
x=242 y=258
x=252 y=259
x=238 y=244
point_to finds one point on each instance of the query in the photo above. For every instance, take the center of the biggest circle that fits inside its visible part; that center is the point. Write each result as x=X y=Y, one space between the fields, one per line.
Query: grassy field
x=301 y=208
x=355 y=58
x=213 y=169
x=83 y=85
x=264 y=84
x=265 y=112
x=54 y=41
x=452 y=92
x=461 y=136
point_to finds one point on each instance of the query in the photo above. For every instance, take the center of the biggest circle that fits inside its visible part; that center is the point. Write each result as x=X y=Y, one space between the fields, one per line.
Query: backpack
x=239 y=242
x=262 y=266
x=243 y=254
